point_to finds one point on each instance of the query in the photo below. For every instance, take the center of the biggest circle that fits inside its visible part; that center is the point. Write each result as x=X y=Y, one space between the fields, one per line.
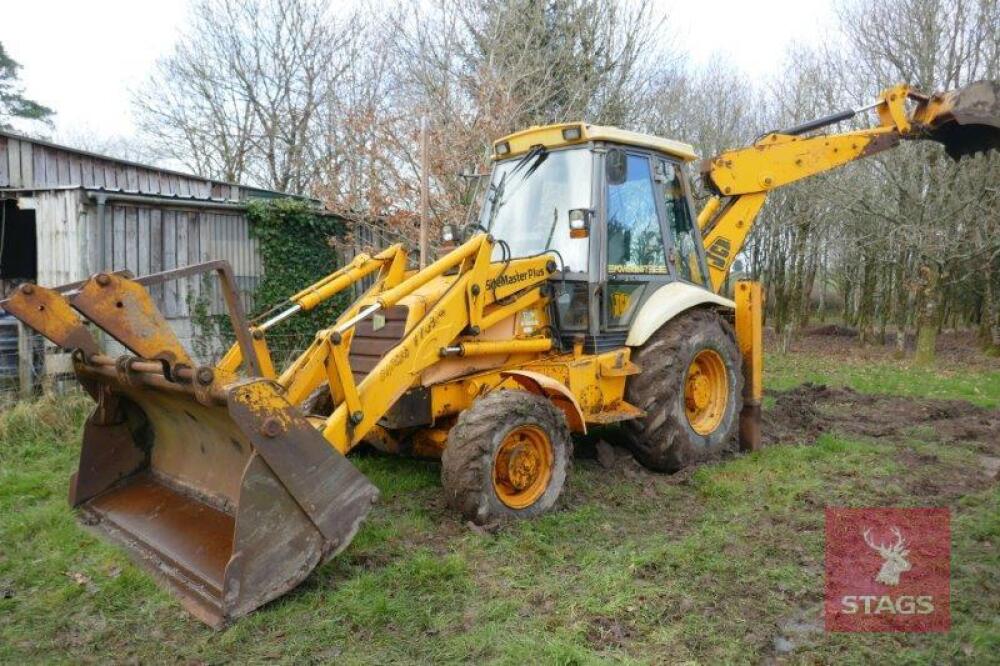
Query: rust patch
x=49 y=313
x=126 y=311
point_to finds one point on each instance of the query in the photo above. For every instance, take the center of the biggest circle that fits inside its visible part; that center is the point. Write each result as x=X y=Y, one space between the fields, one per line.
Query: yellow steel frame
x=749 y=297
x=480 y=295
x=744 y=177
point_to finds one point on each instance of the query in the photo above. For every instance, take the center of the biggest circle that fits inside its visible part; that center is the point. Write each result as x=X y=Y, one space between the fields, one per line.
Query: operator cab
x=614 y=205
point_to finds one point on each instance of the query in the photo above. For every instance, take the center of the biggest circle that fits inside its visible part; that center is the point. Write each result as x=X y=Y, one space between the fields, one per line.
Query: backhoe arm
x=966 y=121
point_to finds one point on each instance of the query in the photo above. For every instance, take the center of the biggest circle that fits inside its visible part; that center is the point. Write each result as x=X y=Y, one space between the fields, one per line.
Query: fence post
x=25 y=360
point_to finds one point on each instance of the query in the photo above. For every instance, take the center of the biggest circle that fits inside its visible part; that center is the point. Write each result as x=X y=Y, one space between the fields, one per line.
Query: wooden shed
x=67 y=214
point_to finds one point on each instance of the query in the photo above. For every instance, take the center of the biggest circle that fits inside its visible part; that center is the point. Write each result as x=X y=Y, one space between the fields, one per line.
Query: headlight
x=571 y=133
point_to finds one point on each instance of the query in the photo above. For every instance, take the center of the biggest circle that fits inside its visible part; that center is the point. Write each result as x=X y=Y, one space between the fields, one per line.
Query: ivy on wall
x=295 y=249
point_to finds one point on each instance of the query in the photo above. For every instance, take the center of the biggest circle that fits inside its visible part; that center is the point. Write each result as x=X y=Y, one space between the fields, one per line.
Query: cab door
x=685 y=251
x=636 y=255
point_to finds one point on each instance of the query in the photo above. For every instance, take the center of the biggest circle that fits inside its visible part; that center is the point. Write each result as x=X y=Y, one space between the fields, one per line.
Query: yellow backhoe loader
x=588 y=296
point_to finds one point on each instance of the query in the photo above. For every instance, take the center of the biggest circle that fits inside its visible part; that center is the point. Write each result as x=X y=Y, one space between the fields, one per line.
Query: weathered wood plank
x=27 y=164
x=37 y=165
x=183 y=286
x=62 y=168
x=110 y=175
x=4 y=166
x=118 y=250
x=143 y=236
x=14 y=163
x=75 y=170
x=170 y=291
x=156 y=252
x=51 y=165
x=76 y=238
x=87 y=172
x=132 y=239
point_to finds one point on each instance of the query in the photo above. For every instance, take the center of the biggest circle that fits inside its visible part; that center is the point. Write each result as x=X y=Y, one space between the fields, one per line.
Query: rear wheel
x=691 y=390
x=507 y=456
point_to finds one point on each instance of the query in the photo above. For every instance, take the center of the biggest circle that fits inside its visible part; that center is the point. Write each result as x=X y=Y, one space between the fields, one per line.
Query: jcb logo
x=718 y=252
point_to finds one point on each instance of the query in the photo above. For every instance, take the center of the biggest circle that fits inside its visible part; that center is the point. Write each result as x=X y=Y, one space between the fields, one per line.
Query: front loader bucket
x=967 y=120
x=221 y=488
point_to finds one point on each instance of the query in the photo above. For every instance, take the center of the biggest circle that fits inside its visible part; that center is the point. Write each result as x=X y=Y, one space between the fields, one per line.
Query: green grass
x=977 y=385
x=635 y=567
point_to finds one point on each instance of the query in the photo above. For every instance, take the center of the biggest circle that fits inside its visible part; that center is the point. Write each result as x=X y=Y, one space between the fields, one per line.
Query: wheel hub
x=706 y=391
x=522 y=467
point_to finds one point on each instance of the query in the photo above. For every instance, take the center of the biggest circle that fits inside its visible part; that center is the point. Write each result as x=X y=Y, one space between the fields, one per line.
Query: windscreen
x=529 y=199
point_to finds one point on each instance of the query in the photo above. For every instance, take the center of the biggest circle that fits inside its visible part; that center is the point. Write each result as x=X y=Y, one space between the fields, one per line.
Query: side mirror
x=579 y=222
x=615 y=166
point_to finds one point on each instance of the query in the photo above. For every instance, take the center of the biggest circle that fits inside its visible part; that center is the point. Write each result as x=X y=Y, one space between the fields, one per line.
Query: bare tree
x=239 y=98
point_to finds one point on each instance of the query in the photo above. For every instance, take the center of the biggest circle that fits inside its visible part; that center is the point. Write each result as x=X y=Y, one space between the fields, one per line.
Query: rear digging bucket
x=969 y=120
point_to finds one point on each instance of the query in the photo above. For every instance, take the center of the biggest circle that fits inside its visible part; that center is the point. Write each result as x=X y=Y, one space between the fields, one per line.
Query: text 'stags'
x=888 y=570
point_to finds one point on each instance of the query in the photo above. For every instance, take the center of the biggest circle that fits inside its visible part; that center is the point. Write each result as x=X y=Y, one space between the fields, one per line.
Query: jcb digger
x=587 y=295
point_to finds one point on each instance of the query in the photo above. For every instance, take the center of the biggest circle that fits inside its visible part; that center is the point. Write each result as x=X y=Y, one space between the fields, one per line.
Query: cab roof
x=567 y=134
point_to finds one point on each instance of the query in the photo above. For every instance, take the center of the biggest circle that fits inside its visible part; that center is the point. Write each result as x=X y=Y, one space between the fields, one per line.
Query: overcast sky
x=81 y=58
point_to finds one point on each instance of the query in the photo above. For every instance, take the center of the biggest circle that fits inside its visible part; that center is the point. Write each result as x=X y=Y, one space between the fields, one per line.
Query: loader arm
x=480 y=294
x=966 y=121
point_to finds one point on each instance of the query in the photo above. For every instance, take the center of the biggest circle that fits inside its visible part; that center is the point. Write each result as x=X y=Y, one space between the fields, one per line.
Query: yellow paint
x=706 y=391
x=551 y=136
x=522 y=466
x=744 y=176
x=525 y=346
x=749 y=297
x=263 y=355
x=619 y=303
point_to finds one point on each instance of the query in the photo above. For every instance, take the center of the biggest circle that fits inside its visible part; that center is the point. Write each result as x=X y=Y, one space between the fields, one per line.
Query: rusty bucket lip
x=192 y=593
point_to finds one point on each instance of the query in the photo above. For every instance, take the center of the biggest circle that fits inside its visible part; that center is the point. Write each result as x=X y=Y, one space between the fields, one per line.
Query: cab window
x=635 y=244
x=683 y=236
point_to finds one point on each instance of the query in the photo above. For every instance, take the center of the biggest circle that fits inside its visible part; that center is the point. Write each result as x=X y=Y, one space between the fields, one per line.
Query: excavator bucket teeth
x=216 y=484
x=968 y=121
x=230 y=505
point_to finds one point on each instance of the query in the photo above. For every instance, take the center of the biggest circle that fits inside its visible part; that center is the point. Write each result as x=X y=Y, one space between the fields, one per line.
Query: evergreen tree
x=13 y=103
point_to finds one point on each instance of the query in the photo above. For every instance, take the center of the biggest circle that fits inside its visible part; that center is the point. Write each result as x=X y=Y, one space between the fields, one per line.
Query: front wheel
x=507 y=456
x=691 y=388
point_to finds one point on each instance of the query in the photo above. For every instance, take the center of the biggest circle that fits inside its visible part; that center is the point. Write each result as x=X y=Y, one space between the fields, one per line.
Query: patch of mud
x=834 y=330
x=606 y=632
x=801 y=414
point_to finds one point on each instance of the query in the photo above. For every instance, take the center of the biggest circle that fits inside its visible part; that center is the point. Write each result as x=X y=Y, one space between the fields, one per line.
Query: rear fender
x=666 y=303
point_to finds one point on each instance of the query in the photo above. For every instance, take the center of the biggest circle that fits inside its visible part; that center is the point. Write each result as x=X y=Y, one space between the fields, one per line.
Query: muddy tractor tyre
x=691 y=388
x=507 y=456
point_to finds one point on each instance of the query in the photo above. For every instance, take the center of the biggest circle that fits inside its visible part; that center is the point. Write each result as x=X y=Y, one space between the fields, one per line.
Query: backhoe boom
x=965 y=121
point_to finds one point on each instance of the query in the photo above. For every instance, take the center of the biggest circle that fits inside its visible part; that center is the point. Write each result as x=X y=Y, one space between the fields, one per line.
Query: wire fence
x=31 y=366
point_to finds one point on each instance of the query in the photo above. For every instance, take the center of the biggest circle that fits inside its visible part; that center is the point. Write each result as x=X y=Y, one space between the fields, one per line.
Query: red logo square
x=888 y=570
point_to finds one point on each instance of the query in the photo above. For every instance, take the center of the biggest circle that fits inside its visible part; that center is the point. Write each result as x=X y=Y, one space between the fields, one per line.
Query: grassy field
x=721 y=565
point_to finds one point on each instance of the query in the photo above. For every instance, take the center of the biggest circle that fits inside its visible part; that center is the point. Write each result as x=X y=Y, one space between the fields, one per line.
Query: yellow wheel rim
x=522 y=466
x=706 y=391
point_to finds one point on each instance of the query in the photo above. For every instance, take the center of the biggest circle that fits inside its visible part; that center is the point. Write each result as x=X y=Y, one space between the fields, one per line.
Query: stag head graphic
x=894 y=556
